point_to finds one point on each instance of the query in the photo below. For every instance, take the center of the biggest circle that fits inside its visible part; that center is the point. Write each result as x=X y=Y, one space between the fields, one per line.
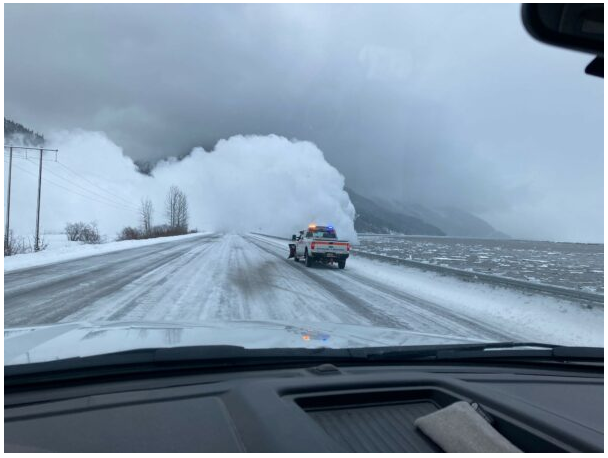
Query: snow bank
x=60 y=249
x=528 y=317
x=256 y=183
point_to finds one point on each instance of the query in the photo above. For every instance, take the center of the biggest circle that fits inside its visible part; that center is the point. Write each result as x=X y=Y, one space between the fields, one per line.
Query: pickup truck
x=319 y=243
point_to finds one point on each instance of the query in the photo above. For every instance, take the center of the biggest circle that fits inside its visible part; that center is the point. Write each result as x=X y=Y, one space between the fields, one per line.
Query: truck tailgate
x=330 y=246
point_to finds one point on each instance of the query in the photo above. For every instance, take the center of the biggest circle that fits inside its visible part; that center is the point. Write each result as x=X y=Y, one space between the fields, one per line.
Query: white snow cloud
x=247 y=183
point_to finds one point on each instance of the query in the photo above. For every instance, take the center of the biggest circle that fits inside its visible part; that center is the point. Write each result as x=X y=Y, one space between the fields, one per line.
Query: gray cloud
x=438 y=104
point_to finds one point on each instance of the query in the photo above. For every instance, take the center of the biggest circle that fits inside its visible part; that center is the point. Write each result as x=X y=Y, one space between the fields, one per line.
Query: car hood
x=45 y=343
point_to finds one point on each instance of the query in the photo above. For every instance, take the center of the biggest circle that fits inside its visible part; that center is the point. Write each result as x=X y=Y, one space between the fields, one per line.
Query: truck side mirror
x=293 y=237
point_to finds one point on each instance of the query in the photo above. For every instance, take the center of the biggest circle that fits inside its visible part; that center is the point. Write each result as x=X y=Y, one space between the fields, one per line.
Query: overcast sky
x=433 y=104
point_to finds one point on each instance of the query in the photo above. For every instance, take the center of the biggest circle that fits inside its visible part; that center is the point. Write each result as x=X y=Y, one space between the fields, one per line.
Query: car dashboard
x=318 y=409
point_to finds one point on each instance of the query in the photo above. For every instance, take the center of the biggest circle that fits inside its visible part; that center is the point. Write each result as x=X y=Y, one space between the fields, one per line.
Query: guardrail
x=592 y=298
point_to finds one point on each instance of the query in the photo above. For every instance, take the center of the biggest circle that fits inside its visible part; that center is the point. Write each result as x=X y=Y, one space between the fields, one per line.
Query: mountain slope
x=452 y=221
x=22 y=134
x=371 y=217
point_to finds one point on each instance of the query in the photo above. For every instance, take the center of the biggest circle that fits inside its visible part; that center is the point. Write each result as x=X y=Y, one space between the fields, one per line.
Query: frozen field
x=570 y=265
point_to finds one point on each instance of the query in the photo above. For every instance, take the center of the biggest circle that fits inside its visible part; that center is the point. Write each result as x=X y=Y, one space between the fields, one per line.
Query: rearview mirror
x=293 y=237
x=573 y=26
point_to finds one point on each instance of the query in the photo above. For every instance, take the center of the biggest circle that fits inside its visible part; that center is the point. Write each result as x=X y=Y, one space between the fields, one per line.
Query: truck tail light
x=348 y=247
x=312 y=246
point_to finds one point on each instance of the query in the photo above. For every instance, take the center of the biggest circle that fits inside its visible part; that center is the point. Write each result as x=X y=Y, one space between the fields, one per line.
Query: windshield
x=324 y=233
x=161 y=161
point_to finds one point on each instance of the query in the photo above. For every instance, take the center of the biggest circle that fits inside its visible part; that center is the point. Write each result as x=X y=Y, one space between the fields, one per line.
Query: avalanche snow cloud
x=265 y=184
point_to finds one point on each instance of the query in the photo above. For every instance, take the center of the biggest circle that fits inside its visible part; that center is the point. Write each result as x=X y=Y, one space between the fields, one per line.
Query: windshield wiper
x=521 y=351
x=175 y=358
x=227 y=357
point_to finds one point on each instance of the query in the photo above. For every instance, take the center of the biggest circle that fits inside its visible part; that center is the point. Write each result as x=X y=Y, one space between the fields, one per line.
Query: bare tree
x=145 y=212
x=182 y=212
x=176 y=209
x=171 y=205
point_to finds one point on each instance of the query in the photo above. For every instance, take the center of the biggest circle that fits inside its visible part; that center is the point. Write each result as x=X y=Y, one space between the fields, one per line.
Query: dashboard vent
x=380 y=420
x=380 y=429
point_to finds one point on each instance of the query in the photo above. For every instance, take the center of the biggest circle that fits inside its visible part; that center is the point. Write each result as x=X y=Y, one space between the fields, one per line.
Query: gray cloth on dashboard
x=458 y=428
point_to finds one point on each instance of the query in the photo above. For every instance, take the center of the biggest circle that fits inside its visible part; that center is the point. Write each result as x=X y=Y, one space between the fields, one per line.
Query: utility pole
x=37 y=242
x=8 y=201
x=8 y=207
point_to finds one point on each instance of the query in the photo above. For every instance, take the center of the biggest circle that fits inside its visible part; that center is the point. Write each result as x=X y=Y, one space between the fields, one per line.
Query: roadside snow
x=60 y=249
x=533 y=317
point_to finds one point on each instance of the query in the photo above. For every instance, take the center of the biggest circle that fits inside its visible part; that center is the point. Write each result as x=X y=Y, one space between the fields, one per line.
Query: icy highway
x=225 y=277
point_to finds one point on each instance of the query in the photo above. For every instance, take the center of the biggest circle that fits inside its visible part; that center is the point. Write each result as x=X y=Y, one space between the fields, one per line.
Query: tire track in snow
x=223 y=277
x=350 y=299
x=138 y=299
x=409 y=311
x=346 y=299
x=73 y=286
x=218 y=277
x=255 y=286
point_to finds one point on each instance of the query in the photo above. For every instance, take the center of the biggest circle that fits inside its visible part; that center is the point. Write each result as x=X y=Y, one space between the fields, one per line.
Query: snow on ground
x=536 y=317
x=531 y=316
x=60 y=249
x=232 y=277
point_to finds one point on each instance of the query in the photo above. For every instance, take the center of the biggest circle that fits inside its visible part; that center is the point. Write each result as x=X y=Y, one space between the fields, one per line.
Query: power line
x=114 y=197
x=8 y=206
x=90 y=182
x=130 y=205
x=35 y=148
x=74 y=192
x=20 y=152
x=123 y=201
x=24 y=156
x=133 y=207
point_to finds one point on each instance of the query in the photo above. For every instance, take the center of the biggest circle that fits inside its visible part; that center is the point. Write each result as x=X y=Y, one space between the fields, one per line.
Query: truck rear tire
x=307 y=259
x=342 y=264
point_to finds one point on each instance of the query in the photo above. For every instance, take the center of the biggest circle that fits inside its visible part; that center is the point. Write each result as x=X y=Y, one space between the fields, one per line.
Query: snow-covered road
x=233 y=277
